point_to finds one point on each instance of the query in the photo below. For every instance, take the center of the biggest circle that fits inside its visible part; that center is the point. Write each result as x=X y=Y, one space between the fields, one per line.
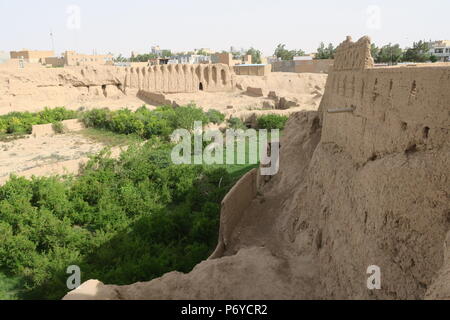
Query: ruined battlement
x=353 y=55
x=395 y=109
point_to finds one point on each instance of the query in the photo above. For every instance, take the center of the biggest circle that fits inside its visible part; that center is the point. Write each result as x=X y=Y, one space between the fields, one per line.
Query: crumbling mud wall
x=378 y=181
x=175 y=78
x=233 y=207
x=34 y=88
x=367 y=186
x=395 y=109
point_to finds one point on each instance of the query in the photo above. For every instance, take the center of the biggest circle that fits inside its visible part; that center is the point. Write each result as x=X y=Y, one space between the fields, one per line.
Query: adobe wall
x=41 y=130
x=253 y=70
x=303 y=66
x=396 y=109
x=313 y=66
x=233 y=207
x=283 y=66
x=174 y=78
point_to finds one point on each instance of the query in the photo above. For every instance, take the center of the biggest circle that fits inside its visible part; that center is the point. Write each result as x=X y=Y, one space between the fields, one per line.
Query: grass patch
x=110 y=138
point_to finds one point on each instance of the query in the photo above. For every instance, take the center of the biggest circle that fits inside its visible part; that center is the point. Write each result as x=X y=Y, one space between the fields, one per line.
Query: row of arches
x=174 y=78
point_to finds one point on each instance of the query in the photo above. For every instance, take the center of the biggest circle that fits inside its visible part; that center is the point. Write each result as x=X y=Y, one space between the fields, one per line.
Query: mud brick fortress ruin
x=363 y=181
x=363 y=174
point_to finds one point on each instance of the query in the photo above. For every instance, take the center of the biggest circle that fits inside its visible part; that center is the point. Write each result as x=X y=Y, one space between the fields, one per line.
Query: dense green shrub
x=215 y=116
x=236 y=123
x=272 y=121
x=22 y=122
x=144 y=122
x=122 y=221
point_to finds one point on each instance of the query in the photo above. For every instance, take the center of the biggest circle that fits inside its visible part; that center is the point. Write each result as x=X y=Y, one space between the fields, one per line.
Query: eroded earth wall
x=32 y=89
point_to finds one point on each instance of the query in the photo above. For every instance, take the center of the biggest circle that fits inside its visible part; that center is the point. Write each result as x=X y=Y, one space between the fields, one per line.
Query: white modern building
x=190 y=59
x=441 y=49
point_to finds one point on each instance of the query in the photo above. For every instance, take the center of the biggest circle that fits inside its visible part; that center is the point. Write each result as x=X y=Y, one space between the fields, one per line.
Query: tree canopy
x=285 y=54
x=256 y=55
x=325 y=52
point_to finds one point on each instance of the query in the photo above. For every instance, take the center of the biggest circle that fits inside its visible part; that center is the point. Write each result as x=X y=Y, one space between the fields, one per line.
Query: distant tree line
x=284 y=54
x=390 y=53
x=143 y=57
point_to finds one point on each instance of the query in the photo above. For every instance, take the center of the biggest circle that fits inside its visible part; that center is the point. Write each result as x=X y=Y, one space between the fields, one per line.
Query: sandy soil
x=45 y=155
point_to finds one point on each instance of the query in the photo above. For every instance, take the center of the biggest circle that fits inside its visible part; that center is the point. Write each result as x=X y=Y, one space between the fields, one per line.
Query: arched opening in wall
x=206 y=74
x=214 y=75
x=104 y=90
x=200 y=86
x=223 y=76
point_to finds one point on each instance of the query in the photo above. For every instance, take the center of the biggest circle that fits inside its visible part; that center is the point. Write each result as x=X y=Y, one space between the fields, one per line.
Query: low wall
x=155 y=98
x=303 y=66
x=313 y=66
x=47 y=129
x=234 y=205
x=253 y=70
x=283 y=66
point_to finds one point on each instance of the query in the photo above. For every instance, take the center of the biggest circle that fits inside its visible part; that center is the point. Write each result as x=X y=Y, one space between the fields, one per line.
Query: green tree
x=391 y=54
x=166 y=53
x=256 y=55
x=285 y=54
x=374 y=51
x=418 y=53
x=325 y=52
x=120 y=58
x=143 y=57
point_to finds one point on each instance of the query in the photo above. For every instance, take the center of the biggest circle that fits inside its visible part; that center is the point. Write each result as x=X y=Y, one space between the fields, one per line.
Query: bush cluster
x=121 y=221
x=22 y=122
x=149 y=123
x=272 y=121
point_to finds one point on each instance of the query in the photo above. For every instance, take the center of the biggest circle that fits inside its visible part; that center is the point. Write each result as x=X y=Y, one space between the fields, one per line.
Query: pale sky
x=183 y=25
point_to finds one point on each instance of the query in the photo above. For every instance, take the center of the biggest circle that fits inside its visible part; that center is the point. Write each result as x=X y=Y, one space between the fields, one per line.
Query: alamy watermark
x=73 y=21
x=232 y=148
x=74 y=280
x=374 y=280
x=373 y=21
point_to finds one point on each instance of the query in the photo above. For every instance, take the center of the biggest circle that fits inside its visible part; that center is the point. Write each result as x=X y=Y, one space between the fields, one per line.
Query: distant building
x=158 y=61
x=32 y=56
x=227 y=58
x=190 y=59
x=157 y=50
x=71 y=58
x=441 y=49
